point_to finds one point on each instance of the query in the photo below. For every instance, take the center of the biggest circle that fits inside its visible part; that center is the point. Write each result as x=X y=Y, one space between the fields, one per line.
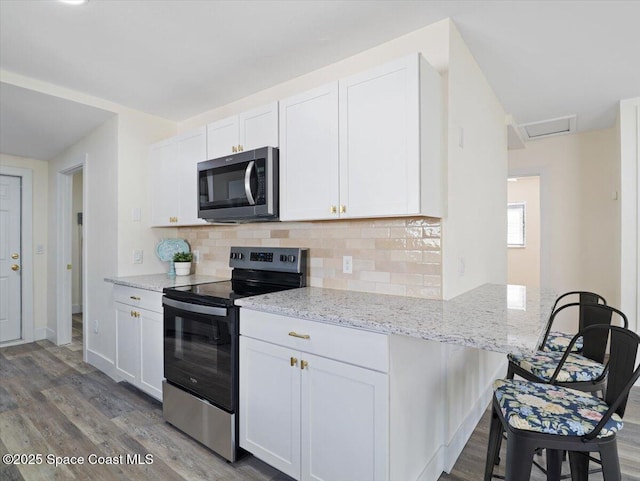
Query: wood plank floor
x=53 y=403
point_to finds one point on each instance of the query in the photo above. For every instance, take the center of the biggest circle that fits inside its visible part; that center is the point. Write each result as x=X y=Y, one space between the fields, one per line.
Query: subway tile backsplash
x=399 y=256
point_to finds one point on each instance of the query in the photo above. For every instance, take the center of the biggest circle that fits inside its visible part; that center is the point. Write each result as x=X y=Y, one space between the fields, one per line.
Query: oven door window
x=236 y=185
x=199 y=353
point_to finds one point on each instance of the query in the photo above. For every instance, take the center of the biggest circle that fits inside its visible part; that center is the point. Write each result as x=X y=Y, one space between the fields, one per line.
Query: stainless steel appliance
x=242 y=187
x=201 y=334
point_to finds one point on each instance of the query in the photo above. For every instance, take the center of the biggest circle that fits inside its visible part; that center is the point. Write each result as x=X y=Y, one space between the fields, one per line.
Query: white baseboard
x=464 y=432
x=103 y=363
x=51 y=335
x=40 y=333
x=76 y=308
x=434 y=469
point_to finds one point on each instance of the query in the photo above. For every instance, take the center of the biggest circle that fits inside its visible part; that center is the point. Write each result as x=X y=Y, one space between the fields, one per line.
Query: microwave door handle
x=247 y=183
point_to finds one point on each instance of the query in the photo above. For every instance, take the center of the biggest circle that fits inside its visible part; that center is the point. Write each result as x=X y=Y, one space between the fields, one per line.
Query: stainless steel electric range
x=200 y=390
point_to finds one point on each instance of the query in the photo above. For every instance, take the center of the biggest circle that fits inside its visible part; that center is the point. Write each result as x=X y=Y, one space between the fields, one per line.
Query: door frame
x=64 y=201
x=26 y=251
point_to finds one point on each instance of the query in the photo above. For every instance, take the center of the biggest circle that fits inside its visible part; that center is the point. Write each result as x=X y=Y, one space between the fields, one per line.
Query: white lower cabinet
x=312 y=417
x=139 y=338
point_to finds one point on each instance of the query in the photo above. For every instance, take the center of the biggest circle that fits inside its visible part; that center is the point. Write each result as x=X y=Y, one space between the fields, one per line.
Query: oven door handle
x=247 y=183
x=197 y=308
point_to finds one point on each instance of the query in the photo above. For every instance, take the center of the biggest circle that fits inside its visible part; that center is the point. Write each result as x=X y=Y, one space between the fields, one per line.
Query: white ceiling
x=176 y=59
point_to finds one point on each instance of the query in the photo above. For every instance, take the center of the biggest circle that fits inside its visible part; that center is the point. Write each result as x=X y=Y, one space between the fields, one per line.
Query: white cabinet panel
x=312 y=417
x=222 y=137
x=389 y=157
x=174 y=179
x=127 y=335
x=151 y=353
x=309 y=155
x=380 y=142
x=259 y=127
x=270 y=404
x=192 y=148
x=249 y=130
x=344 y=421
x=165 y=195
x=139 y=338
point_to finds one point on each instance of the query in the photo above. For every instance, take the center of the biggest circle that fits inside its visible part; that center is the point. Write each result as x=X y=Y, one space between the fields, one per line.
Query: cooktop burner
x=221 y=292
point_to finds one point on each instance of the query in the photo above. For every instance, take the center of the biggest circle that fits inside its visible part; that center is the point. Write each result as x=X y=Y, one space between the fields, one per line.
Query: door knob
x=15 y=267
x=15 y=255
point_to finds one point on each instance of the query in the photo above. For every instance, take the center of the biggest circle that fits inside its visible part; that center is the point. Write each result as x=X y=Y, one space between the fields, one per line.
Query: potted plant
x=182 y=263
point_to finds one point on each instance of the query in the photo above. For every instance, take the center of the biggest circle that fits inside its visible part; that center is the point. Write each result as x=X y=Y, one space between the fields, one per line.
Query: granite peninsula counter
x=491 y=317
x=157 y=282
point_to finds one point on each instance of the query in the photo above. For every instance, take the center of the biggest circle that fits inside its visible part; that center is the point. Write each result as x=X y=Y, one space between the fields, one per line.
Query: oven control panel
x=283 y=259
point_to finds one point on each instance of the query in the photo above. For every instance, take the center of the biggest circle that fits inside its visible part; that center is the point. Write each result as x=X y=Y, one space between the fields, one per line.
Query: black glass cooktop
x=224 y=292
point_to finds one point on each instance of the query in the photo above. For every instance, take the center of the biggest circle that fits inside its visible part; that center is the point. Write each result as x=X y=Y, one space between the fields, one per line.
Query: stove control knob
x=232 y=256
x=239 y=256
x=291 y=258
x=283 y=258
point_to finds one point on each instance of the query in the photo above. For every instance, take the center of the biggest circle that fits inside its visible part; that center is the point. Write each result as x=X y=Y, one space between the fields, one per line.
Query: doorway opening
x=71 y=255
x=523 y=231
x=77 y=243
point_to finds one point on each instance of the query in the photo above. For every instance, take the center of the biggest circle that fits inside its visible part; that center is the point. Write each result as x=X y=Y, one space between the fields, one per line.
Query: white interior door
x=10 y=259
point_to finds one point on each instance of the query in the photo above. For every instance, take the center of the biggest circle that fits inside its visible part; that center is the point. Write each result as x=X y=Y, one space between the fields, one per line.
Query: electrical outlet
x=95 y=326
x=137 y=256
x=196 y=257
x=347 y=264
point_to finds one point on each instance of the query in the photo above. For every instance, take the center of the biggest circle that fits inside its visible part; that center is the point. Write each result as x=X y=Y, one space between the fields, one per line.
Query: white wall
x=630 y=209
x=432 y=41
x=136 y=131
x=580 y=221
x=100 y=229
x=524 y=262
x=39 y=169
x=474 y=251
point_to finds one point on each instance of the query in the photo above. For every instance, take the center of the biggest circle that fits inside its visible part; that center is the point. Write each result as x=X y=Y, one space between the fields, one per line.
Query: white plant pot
x=182 y=268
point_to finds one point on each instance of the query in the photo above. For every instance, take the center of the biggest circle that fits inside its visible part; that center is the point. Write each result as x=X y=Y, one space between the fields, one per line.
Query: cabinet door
x=259 y=127
x=192 y=148
x=151 y=353
x=379 y=140
x=127 y=335
x=270 y=404
x=344 y=420
x=309 y=155
x=165 y=190
x=222 y=137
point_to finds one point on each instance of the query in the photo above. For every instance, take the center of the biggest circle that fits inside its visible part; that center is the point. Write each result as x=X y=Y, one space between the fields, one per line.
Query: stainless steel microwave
x=242 y=187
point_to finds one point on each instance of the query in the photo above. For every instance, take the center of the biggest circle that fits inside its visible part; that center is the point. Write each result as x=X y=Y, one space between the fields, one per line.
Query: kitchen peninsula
x=339 y=384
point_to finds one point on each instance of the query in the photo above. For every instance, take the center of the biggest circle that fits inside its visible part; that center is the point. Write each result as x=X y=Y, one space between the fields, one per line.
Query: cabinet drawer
x=355 y=346
x=141 y=298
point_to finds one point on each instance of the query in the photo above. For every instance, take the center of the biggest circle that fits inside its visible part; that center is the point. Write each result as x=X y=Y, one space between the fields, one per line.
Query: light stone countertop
x=479 y=318
x=157 y=282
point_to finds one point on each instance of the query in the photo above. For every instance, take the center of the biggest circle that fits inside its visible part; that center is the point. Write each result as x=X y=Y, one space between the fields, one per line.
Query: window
x=515 y=224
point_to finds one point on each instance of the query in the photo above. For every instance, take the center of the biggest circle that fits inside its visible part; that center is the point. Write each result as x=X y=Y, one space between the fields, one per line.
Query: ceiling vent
x=548 y=128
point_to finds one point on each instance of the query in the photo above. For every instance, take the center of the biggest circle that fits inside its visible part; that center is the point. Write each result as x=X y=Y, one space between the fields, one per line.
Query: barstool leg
x=610 y=461
x=554 y=464
x=579 y=463
x=493 y=449
x=519 y=458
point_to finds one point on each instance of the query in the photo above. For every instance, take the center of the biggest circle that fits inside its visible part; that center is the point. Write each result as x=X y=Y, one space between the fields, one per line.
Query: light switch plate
x=138 y=256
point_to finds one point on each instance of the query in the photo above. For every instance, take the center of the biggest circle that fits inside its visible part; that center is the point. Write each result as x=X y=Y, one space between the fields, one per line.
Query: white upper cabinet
x=391 y=162
x=174 y=179
x=309 y=155
x=246 y=131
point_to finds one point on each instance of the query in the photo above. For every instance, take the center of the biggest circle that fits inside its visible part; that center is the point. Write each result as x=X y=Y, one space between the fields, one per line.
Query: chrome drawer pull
x=301 y=336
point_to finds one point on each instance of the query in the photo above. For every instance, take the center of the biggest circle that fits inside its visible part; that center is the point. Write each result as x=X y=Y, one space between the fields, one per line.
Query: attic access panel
x=548 y=128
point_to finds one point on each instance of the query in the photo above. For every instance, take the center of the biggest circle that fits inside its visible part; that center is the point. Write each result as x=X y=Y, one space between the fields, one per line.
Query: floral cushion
x=543 y=364
x=549 y=409
x=558 y=341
